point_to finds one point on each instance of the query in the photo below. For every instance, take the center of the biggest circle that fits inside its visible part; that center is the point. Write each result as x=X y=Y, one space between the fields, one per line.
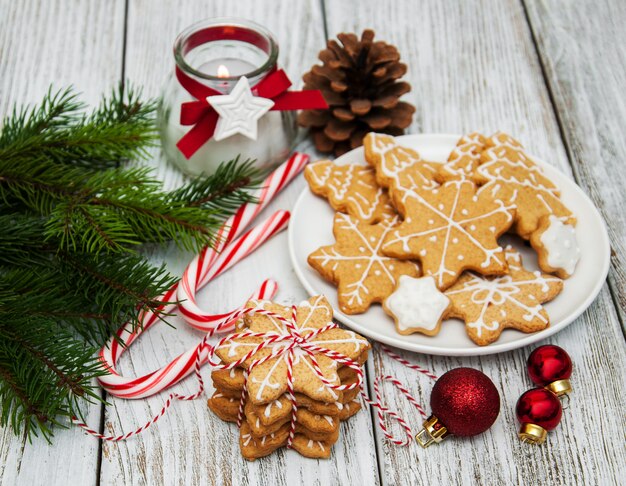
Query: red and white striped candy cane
x=182 y=365
x=197 y=272
x=206 y=266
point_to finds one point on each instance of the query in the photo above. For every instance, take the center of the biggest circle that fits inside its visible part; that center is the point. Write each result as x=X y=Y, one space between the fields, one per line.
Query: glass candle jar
x=216 y=53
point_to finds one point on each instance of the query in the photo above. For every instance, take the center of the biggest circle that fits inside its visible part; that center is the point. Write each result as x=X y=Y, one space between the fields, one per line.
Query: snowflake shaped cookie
x=351 y=189
x=268 y=381
x=451 y=229
x=417 y=305
x=507 y=173
x=356 y=264
x=398 y=168
x=464 y=159
x=490 y=304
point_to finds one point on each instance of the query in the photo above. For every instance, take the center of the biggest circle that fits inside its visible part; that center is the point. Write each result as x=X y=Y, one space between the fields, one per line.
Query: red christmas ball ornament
x=550 y=366
x=538 y=410
x=464 y=402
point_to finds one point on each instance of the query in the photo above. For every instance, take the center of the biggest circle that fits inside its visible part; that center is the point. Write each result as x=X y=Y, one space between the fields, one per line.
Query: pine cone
x=359 y=80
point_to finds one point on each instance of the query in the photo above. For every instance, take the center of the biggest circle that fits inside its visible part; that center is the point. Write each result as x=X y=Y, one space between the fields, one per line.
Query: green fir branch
x=73 y=225
x=58 y=130
x=115 y=210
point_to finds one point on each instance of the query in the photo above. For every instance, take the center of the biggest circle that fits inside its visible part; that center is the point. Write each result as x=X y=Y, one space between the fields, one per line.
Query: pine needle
x=74 y=220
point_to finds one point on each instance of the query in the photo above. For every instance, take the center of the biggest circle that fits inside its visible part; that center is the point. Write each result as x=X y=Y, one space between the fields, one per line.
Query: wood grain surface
x=57 y=43
x=547 y=72
x=583 y=51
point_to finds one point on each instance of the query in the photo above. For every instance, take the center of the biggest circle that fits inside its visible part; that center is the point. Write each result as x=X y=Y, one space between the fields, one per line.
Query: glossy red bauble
x=548 y=364
x=539 y=407
x=465 y=401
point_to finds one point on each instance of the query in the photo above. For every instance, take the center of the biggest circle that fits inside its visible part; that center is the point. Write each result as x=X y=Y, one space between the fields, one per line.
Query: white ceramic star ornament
x=239 y=111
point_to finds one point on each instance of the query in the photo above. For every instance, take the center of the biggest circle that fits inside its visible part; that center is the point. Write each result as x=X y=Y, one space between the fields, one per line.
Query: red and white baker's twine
x=211 y=262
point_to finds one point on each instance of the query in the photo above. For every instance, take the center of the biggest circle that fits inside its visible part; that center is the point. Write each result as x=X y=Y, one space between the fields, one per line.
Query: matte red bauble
x=538 y=410
x=464 y=402
x=550 y=366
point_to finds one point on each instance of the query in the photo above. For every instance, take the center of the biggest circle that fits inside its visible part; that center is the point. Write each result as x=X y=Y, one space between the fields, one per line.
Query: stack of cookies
x=422 y=238
x=267 y=410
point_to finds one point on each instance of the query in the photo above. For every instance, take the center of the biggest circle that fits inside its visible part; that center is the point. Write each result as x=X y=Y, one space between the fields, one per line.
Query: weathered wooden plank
x=41 y=44
x=473 y=66
x=582 y=52
x=190 y=445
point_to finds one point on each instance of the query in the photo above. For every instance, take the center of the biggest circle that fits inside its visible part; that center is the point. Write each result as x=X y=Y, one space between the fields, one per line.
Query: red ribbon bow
x=203 y=117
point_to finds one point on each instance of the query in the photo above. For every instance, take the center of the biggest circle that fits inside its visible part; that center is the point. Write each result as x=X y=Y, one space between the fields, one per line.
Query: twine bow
x=203 y=118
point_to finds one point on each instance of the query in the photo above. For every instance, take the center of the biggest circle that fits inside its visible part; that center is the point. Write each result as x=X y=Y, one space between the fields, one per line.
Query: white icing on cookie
x=371 y=260
x=561 y=245
x=464 y=156
x=417 y=303
x=500 y=291
x=451 y=222
x=349 y=185
x=268 y=408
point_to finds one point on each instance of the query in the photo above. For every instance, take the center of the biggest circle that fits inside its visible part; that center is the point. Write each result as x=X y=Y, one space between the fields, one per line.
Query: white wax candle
x=235 y=67
x=272 y=146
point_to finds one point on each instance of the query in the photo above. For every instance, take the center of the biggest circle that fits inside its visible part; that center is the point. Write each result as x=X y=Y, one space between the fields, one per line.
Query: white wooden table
x=552 y=72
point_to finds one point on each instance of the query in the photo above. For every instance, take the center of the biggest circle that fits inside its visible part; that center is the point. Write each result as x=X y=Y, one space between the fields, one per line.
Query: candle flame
x=222 y=71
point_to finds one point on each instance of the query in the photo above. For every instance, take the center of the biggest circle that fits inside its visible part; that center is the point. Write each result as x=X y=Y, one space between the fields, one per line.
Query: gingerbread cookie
x=355 y=263
x=268 y=381
x=417 y=305
x=503 y=139
x=280 y=408
x=464 y=159
x=509 y=174
x=398 y=168
x=351 y=189
x=230 y=384
x=322 y=425
x=256 y=447
x=556 y=246
x=490 y=304
x=451 y=229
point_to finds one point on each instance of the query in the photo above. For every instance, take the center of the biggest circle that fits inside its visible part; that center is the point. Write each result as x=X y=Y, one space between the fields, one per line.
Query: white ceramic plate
x=311 y=227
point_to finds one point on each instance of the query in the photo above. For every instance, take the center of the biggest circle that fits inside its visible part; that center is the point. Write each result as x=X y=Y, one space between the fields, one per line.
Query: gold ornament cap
x=532 y=434
x=433 y=431
x=560 y=387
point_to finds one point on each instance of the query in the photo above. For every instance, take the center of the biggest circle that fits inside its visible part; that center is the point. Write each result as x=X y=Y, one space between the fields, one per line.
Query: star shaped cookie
x=268 y=381
x=356 y=264
x=490 y=304
x=451 y=229
x=417 y=305
x=351 y=189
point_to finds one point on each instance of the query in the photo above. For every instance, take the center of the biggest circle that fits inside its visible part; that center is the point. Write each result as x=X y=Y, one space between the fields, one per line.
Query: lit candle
x=216 y=54
x=225 y=68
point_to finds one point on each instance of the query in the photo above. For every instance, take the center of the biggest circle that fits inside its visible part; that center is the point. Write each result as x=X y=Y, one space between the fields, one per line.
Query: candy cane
x=182 y=365
x=207 y=265
x=197 y=272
